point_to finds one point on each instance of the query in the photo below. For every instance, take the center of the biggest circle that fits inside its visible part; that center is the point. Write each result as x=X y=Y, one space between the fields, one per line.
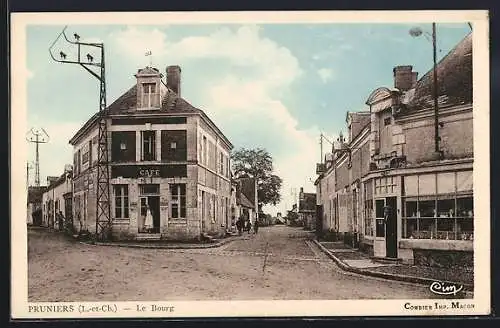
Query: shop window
x=178 y=201
x=368 y=217
x=148 y=145
x=121 y=201
x=447 y=216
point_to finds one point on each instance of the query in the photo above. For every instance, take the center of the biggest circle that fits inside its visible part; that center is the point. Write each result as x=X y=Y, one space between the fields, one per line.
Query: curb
x=178 y=246
x=384 y=275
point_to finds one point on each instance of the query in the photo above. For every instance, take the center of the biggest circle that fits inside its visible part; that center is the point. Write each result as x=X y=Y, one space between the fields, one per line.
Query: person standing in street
x=239 y=226
x=249 y=226
x=256 y=226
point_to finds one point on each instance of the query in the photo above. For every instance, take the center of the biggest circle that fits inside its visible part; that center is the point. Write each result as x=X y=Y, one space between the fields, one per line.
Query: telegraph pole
x=103 y=210
x=28 y=168
x=37 y=136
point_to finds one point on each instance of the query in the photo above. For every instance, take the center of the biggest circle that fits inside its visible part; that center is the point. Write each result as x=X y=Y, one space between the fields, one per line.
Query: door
x=154 y=207
x=391 y=227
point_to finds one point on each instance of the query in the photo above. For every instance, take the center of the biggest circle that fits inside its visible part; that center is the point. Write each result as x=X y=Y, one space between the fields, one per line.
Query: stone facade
x=392 y=197
x=168 y=162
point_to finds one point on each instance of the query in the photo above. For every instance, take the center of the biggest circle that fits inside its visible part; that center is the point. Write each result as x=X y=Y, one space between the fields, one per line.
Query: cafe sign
x=149 y=173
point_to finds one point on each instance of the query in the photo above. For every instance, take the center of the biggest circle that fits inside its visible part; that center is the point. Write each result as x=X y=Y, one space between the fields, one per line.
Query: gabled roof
x=454 y=74
x=127 y=104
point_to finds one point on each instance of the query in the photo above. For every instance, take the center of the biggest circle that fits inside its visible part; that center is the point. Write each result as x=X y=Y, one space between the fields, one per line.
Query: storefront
x=420 y=212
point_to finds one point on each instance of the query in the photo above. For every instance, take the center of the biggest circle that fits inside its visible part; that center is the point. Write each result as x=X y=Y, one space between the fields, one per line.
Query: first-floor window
x=121 y=201
x=368 y=217
x=178 y=200
x=439 y=217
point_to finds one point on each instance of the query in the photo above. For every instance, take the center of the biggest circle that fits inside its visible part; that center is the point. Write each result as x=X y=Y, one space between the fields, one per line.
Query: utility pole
x=28 y=168
x=37 y=136
x=103 y=209
x=435 y=94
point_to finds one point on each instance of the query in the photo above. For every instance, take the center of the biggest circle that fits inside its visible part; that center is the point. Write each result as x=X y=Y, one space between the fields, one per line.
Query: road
x=278 y=263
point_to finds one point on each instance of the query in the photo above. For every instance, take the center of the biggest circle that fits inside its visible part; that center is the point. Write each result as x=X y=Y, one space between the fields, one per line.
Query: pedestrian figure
x=256 y=226
x=249 y=226
x=61 y=221
x=239 y=226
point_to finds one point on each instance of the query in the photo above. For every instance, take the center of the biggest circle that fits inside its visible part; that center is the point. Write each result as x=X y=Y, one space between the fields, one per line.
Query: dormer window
x=150 y=96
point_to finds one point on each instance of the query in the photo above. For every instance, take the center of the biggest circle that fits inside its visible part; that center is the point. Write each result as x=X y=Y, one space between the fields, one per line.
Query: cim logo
x=445 y=288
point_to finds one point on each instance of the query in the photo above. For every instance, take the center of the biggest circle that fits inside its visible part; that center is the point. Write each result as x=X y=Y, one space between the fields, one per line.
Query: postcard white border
x=19 y=283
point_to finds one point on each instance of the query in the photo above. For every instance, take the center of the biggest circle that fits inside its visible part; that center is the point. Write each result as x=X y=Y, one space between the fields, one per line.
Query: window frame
x=123 y=196
x=177 y=193
x=152 y=145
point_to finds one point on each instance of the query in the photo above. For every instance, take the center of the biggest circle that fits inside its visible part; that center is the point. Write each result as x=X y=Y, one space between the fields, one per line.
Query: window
x=204 y=154
x=173 y=145
x=387 y=121
x=178 y=201
x=123 y=146
x=221 y=163
x=368 y=209
x=445 y=214
x=150 y=97
x=148 y=145
x=385 y=185
x=149 y=189
x=121 y=201
x=379 y=213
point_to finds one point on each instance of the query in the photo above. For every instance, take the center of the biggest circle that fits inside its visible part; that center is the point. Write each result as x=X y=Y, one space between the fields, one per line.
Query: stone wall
x=443 y=259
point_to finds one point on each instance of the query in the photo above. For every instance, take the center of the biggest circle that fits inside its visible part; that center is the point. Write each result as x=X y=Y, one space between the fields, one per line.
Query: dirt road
x=277 y=263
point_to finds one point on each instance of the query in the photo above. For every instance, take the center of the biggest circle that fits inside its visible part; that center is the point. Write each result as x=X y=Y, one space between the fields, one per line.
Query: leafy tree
x=258 y=163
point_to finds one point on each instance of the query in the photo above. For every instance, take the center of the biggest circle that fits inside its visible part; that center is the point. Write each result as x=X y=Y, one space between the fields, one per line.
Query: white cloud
x=326 y=74
x=237 y=101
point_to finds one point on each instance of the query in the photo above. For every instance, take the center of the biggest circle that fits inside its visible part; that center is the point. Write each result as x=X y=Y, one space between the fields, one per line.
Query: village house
x=307 y=209
x=34 y=206
x=57 y=197
x=168 y=160
x=386 y=190
x=245 y=199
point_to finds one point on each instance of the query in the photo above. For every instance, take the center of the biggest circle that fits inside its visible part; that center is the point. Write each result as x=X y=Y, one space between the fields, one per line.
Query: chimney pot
x=174 y=79
x=404 y=77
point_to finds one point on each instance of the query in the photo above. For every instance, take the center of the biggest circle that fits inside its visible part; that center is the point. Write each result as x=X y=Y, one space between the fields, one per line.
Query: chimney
x=404 y=78
x=174 y=79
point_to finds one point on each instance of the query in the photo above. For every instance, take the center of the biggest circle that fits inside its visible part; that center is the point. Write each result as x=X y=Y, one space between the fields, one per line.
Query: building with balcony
x=168 y=161
x=385 y=190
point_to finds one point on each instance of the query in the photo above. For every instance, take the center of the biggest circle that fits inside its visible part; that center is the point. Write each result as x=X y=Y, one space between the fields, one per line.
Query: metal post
x=435 y=93
x=103 y=209
x=37 y=137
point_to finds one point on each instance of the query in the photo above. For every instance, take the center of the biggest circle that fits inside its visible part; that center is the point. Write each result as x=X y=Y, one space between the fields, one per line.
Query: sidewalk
x=164 y=244
x=355 y=261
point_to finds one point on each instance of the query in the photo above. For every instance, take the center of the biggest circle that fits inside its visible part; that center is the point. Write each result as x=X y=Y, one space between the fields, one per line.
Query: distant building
x=307 y=209
x=34 y=206
x=57 y=197
x=385 y=190
x=246 y=198
x=168 y=160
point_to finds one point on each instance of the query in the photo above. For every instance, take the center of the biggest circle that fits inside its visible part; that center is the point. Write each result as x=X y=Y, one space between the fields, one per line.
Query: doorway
x=391 y=227
x=149 y=201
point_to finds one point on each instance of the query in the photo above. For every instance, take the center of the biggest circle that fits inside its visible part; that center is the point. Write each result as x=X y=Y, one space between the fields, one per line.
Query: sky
x=272 y=86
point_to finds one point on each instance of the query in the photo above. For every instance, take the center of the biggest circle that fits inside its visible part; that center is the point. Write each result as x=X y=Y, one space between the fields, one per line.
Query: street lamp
x=416 y=32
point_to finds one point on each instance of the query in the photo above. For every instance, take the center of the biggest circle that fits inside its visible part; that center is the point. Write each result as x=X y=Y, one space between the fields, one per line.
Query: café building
x=169 y=164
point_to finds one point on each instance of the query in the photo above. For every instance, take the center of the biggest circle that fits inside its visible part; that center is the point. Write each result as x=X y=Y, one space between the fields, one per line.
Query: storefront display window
x=445 y=215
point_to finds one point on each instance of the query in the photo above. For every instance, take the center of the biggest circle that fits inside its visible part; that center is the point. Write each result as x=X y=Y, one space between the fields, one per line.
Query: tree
x=258 y=163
